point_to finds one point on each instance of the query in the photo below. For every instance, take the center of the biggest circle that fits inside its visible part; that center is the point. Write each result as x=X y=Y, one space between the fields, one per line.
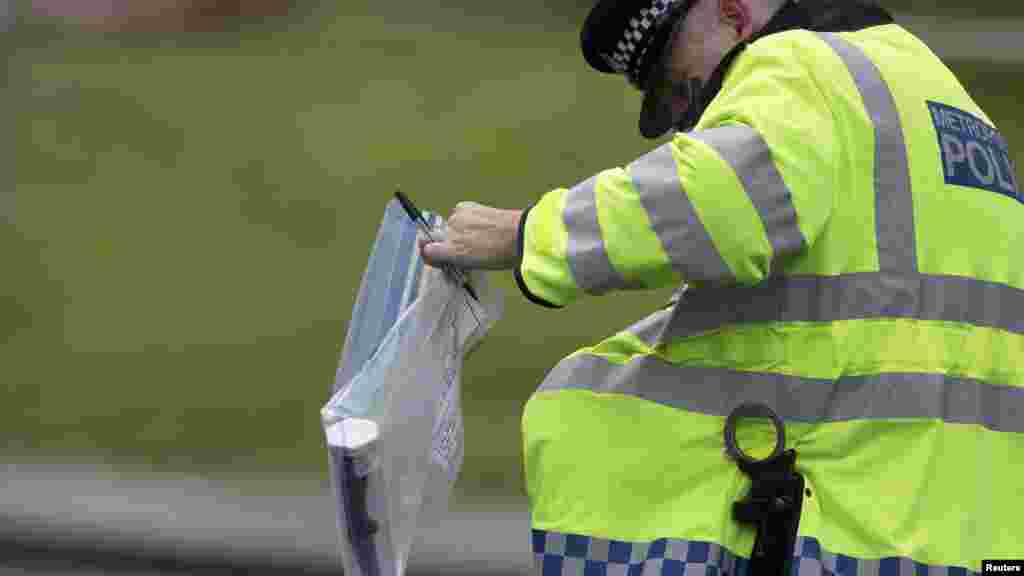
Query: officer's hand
x=478 y=236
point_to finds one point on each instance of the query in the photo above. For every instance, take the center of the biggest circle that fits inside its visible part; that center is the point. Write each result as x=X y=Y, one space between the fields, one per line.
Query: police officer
x=843 y=215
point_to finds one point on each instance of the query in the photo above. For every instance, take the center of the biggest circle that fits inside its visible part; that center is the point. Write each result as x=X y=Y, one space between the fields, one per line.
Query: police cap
x=629 y=37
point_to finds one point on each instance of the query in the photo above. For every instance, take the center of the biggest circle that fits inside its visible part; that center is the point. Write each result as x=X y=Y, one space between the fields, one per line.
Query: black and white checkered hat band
x=630 y=50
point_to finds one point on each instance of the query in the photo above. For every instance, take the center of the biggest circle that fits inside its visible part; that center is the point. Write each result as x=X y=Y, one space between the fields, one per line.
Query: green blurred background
x=193 y=212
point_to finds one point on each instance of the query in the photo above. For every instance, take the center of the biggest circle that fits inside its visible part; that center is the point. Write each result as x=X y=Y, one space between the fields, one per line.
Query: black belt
x=776 y=495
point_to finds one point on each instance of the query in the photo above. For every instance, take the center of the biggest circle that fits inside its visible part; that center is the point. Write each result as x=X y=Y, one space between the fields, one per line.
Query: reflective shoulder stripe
x=894 y=206
x=848 y=297
x=748 y=154
x=871 y=397
x=651 y=329
x=588 y=258
x=684 y=238
x=561 y=554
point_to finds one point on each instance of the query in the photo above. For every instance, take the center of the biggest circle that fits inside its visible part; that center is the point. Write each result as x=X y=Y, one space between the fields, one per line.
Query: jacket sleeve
x=752 y=185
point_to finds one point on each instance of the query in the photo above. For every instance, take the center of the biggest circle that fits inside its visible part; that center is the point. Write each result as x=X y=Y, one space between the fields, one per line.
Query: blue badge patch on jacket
x=974 y=154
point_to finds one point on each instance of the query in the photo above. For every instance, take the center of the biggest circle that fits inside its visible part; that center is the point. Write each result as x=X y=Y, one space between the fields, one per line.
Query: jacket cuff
x=520 y=281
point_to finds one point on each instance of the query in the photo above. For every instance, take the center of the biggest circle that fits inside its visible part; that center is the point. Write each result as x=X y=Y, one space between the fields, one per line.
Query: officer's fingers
x=466 y=214
x=470 y=218
x=460 y=213
x=436 y=235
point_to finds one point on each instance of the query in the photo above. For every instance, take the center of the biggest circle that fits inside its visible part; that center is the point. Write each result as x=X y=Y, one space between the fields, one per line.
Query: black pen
x=418 y=218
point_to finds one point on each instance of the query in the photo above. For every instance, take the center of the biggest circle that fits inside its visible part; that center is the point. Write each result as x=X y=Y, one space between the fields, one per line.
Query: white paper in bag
x=394 y=424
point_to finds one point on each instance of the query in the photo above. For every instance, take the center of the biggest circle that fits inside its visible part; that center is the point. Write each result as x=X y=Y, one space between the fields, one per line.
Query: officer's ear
x=738 y=16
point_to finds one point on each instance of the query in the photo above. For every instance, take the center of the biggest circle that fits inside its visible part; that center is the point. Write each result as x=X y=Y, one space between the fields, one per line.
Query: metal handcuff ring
x=753 y=410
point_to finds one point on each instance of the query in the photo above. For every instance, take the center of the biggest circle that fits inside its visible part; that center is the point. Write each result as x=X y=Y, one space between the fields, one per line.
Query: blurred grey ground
x=56 y=517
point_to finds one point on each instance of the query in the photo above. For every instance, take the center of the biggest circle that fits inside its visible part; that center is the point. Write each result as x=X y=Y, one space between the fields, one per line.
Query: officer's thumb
x=433 y=250
x=434 y=253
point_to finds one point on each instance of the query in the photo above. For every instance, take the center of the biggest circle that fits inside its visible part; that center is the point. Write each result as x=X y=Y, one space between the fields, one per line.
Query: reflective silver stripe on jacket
x=716 y=391
x=652 y=328
x=588 y=258
x=843 y=297
x=748 y=154
x=894 y=205
x=673 y=218
x=675 y=221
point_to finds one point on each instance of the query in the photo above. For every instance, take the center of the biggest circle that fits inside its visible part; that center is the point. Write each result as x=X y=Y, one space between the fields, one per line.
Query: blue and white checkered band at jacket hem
x=630 y=50
x=561 y=554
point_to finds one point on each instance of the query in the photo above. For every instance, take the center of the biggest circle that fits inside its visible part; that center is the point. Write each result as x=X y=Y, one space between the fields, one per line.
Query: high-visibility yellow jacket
x=848 y=221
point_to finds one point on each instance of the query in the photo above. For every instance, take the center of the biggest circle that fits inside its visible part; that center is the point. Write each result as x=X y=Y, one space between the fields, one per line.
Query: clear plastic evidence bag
x=394 y=425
